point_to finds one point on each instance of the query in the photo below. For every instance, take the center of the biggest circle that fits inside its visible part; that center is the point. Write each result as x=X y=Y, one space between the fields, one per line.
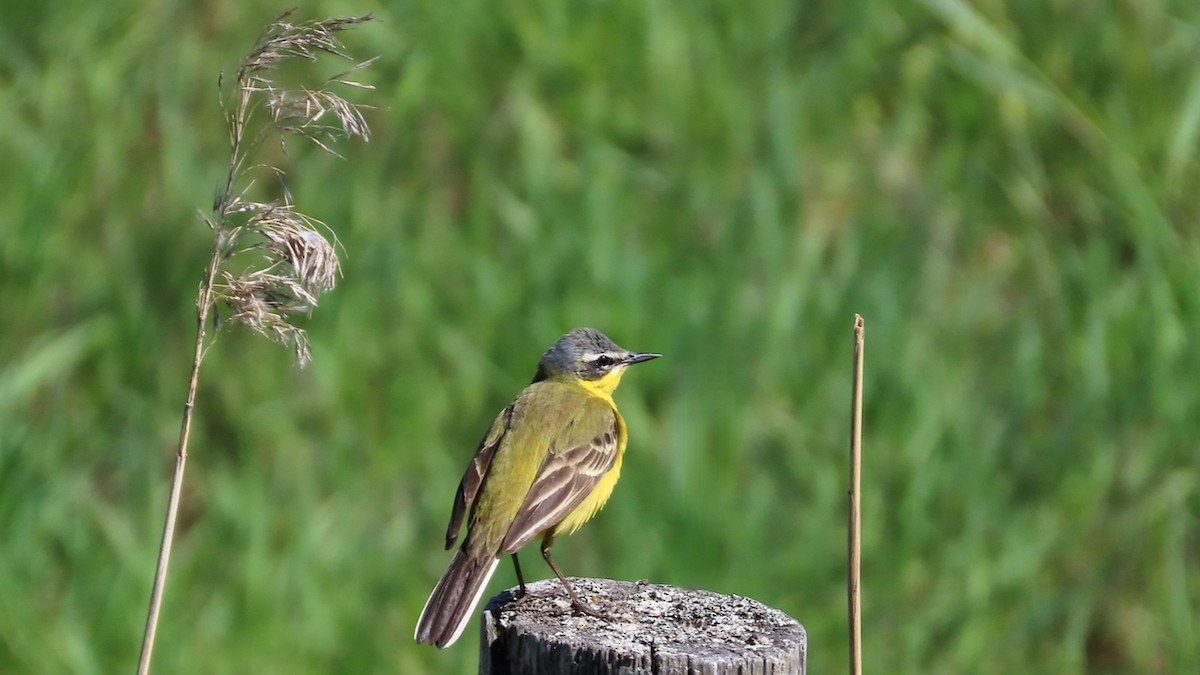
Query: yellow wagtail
x=547 y=465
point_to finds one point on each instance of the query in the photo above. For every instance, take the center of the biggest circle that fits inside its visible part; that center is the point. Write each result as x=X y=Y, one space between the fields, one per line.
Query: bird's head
x=587 y=354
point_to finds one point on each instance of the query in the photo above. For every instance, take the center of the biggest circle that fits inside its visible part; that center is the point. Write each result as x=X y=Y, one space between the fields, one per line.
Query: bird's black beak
x=638 y=357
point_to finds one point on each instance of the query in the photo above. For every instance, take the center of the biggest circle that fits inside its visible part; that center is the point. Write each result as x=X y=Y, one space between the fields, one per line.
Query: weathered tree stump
x=647 y=628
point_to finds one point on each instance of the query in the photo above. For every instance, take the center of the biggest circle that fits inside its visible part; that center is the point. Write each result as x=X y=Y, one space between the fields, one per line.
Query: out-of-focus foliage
x=1006 y=191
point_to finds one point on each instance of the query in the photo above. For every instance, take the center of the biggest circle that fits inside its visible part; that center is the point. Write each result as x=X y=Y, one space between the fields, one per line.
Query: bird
x=546 y=466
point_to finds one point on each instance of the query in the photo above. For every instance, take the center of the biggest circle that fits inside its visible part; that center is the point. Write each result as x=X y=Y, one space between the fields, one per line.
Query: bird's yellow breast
x=602 y=389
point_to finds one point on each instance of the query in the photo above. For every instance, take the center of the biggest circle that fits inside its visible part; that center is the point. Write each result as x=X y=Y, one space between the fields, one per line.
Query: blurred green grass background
x=1006 y=191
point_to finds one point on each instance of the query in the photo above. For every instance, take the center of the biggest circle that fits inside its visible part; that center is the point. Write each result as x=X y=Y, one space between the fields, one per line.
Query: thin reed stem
x=854 y=598
x=203 y=309
x=204 y=304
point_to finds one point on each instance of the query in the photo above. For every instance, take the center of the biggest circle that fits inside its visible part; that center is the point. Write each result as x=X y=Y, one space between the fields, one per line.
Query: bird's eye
x=603 y=361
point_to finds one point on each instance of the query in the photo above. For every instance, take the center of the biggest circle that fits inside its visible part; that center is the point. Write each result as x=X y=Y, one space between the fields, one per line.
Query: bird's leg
x=576 y=603
x=521 y=592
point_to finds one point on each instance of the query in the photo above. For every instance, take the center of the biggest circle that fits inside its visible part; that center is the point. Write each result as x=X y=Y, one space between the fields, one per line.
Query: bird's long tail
x=449 y=606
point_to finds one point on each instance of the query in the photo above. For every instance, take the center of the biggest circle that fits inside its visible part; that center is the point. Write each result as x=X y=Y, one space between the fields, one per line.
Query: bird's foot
x=523 y=595
x=584 y=608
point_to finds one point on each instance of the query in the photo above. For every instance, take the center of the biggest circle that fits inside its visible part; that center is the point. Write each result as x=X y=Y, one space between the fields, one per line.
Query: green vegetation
x=1005 y=191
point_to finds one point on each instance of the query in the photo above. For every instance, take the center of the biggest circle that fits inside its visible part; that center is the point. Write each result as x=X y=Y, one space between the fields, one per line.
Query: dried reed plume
x=269 y=261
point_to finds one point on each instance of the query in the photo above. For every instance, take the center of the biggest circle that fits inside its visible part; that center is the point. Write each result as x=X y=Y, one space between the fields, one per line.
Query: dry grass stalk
x=269 y=262
x=854 y=571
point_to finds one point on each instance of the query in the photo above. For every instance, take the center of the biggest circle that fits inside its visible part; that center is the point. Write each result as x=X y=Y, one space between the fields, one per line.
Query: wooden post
x=647 y=628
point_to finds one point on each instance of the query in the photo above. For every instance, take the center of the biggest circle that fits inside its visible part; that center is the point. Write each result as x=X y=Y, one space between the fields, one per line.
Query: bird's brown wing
x=578 y=457
x=472 y=478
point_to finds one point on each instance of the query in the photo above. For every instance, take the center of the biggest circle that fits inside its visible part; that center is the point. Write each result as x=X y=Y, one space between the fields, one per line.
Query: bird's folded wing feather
x=579 y=455
x=472 y=478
